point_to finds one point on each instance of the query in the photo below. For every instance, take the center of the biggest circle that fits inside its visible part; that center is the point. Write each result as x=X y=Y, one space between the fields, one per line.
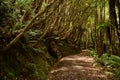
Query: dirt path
x=77 y=67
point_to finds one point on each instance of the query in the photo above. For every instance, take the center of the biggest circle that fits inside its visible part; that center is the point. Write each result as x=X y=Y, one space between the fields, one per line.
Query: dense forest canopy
x=52 y=29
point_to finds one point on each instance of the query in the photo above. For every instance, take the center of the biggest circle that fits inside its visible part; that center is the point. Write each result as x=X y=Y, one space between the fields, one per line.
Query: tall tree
x=114 y=25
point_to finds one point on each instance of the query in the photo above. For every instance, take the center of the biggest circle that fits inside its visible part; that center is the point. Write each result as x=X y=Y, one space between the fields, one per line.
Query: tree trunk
x=118 y=6
x=114 y=25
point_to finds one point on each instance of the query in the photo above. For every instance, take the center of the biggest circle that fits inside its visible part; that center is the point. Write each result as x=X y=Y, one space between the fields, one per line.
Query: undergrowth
x=110 y=62
x=22 y=63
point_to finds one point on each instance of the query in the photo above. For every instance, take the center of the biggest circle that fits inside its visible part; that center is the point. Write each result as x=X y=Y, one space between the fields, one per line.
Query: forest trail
x=77 y=67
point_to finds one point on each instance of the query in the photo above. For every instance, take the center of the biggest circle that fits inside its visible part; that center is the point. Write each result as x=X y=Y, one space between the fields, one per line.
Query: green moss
x=23 y=62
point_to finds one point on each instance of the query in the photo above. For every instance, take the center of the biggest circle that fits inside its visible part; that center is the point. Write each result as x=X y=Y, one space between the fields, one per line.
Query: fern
x=110 y=61
x=115 y=60
x=104 y=59
x=94 y=55
x=118 y=72
x=103 y=26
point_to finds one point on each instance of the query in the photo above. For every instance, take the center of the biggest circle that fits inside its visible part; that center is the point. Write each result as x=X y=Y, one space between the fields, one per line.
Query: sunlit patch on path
x=77 y=67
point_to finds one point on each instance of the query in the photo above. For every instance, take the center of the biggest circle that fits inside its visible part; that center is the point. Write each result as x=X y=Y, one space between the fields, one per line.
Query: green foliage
x=17 y=26
x=108 y=73
x=112 y=61
x=118 y=72
x=9 y=76
x=115 y=59
x=103 y=26
x=32 y=33
x=23 y=4
x=5 y=6
x=93 y=54
x=6 y=13
x=104 y=59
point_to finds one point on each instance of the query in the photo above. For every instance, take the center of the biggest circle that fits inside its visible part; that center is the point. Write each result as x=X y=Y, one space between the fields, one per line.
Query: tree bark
x=114 y=25
x=118 y=31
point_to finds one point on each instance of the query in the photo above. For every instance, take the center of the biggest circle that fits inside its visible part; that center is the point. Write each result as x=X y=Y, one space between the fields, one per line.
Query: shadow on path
x=77 y=67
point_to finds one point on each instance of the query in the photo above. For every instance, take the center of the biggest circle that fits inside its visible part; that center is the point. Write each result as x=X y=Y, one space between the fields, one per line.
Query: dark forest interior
x=36 y=34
